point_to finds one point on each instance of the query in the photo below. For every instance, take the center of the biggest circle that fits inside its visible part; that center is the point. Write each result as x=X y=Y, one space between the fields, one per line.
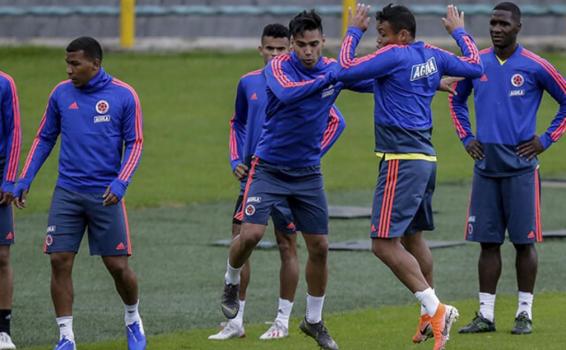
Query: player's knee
x=61 y=262
x=117 y=268
x=4 y=260
x=379 y=249
x=318 y=249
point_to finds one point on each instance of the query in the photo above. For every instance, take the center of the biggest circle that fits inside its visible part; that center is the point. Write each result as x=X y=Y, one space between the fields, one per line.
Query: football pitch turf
x=181 y=274
x=389 y=327
x=181 y=200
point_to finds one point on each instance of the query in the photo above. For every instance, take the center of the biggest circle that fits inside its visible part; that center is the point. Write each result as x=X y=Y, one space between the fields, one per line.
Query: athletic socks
x=314 y=309
x=284 y=311
x=240 y=316
x=5 y=317
x=428 y=300
x=131 y=314
x=487 y=305
x=232 y=275
x=423 y=309
x=525 y=304
x=65 y=324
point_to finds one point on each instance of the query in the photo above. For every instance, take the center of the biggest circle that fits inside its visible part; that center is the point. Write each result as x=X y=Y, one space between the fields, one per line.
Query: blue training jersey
x=405 y=79
x=247 y=123
x=298 y=108
x=101 y=136
x=506 y=98
x=10 y=132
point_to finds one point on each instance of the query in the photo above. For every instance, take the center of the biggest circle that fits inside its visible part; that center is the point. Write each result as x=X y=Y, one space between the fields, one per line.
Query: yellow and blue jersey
x=405 y=79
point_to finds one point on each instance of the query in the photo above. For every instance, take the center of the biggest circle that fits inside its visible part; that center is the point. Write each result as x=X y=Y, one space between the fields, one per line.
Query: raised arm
x=469 y=64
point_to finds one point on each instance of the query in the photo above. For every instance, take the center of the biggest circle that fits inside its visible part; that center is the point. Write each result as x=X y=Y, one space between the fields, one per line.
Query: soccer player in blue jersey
x=100 y=121
x=245 y=131
x=406 y=74
x=506 y=185
x=301 y=90
x=10 y=143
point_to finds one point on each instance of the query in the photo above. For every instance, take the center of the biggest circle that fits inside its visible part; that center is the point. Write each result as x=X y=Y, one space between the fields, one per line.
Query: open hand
x=453 y=19
x=360 y=18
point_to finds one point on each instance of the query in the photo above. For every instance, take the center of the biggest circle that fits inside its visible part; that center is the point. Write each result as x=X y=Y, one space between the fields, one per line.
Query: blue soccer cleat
x=65 y=344
x=136 y=337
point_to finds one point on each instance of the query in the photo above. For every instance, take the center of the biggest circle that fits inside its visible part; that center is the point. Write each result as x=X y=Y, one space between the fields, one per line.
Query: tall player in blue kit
x=246 y=126
x=100 y=121
x=10 y=145
x=406 y=74
x=506 y=185
x=301 y=90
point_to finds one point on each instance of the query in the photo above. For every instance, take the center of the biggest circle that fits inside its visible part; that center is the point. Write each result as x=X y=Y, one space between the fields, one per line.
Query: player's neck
x=504 y=53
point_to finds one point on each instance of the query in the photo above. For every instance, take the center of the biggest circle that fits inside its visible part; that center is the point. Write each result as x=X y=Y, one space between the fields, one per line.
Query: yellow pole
x=346 y=4
x=127 y=23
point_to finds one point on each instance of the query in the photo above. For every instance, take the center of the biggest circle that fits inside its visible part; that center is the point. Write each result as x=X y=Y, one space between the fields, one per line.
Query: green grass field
x=181 y=200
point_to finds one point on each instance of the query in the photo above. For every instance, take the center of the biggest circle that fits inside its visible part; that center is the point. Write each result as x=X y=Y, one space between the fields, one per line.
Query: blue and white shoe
x=136 y=336
x=65 y=344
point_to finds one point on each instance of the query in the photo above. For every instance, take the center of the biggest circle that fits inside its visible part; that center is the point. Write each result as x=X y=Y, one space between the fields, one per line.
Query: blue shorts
x=402 y=204
x=7 y=234
x=509 y=203
x=281 y=216
x=71 y=213
x=271 y=189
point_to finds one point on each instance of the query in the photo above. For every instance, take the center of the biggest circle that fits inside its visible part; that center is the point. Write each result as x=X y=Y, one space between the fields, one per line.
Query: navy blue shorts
x=402 y=204
x=7 y=234
x=271 y=189
x=71 y=213
x=281 y=216
x=509 y=203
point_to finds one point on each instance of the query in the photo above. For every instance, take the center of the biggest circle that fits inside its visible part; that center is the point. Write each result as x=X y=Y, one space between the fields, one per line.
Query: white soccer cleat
x=6 y=342
x=229 y=330
x=276 y=331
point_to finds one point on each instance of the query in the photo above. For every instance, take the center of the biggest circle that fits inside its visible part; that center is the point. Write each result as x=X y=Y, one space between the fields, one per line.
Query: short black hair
x=399 y=17
x=511 y=7
x=88 y=45
x=276 y=30
x=305 y=21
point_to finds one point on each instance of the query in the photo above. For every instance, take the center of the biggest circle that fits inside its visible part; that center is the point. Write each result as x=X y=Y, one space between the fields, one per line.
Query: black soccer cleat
x=523 y=324
x=318 y=332
x=230 y=304
x=479 y=324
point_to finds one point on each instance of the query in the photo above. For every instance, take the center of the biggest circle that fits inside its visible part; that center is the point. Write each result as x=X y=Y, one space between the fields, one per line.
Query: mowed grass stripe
x=389 y=327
